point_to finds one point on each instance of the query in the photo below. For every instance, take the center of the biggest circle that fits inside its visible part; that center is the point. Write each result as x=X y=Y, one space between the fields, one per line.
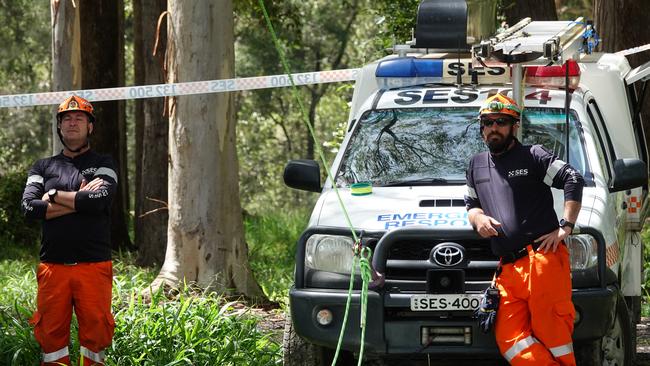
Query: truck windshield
x=432 y=146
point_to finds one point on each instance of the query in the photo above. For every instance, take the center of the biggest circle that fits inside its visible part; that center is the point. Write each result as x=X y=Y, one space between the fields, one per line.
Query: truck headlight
x=584 y=251
x=332 y=253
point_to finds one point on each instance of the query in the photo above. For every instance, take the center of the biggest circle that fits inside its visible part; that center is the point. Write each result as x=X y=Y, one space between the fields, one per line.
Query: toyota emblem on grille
x=448 y=254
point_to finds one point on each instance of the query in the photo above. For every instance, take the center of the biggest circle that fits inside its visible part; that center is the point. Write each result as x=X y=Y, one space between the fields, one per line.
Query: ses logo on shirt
x=88 y=171
x=517 y=173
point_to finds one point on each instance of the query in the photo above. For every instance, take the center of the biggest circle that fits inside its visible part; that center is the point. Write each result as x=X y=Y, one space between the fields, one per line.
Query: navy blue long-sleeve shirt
x=84 y=235
x=515 y=189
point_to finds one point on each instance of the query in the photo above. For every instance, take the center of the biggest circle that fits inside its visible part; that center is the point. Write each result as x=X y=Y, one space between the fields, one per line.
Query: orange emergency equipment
x=534 y=323
x=84 y=287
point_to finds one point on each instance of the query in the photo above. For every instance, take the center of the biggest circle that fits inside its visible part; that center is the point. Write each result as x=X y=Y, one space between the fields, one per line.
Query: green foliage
x=24 y=68
x=14 y=228
x=188 y=331
x=193 y=329
x=399 y=17
x=18 y=283
x=315 y=36
x=272 y=241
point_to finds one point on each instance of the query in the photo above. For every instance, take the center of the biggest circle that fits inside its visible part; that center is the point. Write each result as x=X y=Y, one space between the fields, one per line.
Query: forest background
x=118 y=40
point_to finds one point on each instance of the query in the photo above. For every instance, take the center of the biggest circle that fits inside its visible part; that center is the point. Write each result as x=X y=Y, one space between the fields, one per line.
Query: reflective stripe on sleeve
x=562 y=350
x=521 y=345
x=471 y=192
x=95 y=356
x=106 y=171
x=552 y=170
x=34 y=179
x=54 y=356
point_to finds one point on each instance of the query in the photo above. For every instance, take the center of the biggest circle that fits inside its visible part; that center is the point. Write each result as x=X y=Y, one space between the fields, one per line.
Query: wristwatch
x=52 y=194
x=565 y=223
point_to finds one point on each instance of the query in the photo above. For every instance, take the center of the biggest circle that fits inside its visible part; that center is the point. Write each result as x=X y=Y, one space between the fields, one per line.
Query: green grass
x=193 y=329
x=272 y=246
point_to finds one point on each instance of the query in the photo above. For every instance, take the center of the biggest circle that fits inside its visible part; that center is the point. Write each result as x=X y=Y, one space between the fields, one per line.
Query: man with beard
x=509 y=200
x=71 y=193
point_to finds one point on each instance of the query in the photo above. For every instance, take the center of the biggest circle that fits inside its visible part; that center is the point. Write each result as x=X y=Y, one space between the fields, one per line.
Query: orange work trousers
x=534 y=324
x=84 y=287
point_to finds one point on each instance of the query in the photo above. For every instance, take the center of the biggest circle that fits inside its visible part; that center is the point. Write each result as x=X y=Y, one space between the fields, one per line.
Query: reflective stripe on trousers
x=562 y=350
x=534 y=323
x=94 y=356
x=518 y=347
x=56 y=355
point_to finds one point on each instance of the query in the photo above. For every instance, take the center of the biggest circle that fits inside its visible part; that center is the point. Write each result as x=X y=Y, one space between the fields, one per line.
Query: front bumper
x=391 y=328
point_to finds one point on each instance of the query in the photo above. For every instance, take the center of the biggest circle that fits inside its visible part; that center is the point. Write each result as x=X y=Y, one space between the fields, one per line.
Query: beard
x=498 y=143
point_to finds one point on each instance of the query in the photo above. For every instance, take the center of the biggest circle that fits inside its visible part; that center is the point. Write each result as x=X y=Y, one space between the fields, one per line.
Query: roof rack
x=536 y=43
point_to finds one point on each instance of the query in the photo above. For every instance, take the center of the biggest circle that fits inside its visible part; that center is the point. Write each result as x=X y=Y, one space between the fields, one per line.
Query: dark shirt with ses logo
x=84 y=235
x=515 y=189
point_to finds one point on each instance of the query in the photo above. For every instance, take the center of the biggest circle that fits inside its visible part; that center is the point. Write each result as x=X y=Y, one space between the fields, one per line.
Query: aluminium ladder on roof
x=534 y=43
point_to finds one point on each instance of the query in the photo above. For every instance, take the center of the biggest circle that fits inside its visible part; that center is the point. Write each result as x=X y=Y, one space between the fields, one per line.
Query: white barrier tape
x=174 y=89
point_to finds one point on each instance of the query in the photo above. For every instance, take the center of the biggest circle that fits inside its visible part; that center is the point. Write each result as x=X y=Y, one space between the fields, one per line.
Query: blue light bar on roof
x=409 y=67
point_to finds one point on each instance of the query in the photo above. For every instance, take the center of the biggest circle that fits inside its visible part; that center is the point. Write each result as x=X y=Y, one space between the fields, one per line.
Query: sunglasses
x=503 y=121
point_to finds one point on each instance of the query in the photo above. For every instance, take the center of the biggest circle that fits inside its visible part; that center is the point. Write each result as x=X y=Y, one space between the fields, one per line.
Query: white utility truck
x=412 y=129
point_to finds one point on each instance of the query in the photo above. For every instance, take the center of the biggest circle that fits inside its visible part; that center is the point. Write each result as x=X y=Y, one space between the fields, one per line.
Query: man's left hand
x=552 y=239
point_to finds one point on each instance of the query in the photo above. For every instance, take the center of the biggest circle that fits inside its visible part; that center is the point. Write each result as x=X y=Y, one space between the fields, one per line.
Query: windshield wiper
x=420 y=182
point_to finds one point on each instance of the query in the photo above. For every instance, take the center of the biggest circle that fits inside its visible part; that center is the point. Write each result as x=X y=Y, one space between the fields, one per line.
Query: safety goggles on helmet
x=76 y=103
x=500 y=104
x=501 y=121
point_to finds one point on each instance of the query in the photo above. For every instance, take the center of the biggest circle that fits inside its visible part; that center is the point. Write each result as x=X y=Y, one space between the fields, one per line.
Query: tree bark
x=516 y=10
x=151 y=147
x=622 y=24
x=66 y=54
x=205 y=232
x=102 y=64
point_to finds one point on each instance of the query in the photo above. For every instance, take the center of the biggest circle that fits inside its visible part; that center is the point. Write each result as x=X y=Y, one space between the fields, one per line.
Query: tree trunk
x=622 y=24
x=205 y=232
x=66 y=54
x=102 y=61
x=516 y=10
x=151 y=136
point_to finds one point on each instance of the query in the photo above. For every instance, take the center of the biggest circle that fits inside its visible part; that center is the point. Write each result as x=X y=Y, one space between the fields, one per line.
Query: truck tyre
x=615 y=348
x=296 y=351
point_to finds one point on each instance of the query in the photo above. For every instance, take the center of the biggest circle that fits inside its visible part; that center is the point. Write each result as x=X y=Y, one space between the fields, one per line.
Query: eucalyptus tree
x=102 y=63
x=151 y=147
x=621 y=25
x=205 y=241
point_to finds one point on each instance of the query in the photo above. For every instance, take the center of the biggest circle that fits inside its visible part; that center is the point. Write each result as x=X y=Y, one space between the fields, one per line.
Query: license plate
x=447 y=302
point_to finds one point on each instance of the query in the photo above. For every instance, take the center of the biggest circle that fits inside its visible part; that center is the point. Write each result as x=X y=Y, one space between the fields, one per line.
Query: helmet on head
x=75 y=103
x=500 y=104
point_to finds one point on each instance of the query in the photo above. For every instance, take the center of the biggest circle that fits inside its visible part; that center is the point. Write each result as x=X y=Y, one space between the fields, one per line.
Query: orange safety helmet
x=76 y=103
x=500 y=104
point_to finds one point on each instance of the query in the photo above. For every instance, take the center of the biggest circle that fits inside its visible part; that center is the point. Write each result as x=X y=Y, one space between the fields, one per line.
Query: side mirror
x=303 y=175
x=628 y=174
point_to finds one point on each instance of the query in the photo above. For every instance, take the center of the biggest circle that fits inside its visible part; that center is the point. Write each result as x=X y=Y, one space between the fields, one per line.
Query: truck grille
x=409 y=260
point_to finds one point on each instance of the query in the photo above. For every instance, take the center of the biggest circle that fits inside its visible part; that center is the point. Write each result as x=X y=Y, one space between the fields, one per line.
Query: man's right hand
x=486 y=226
x=94 y=184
